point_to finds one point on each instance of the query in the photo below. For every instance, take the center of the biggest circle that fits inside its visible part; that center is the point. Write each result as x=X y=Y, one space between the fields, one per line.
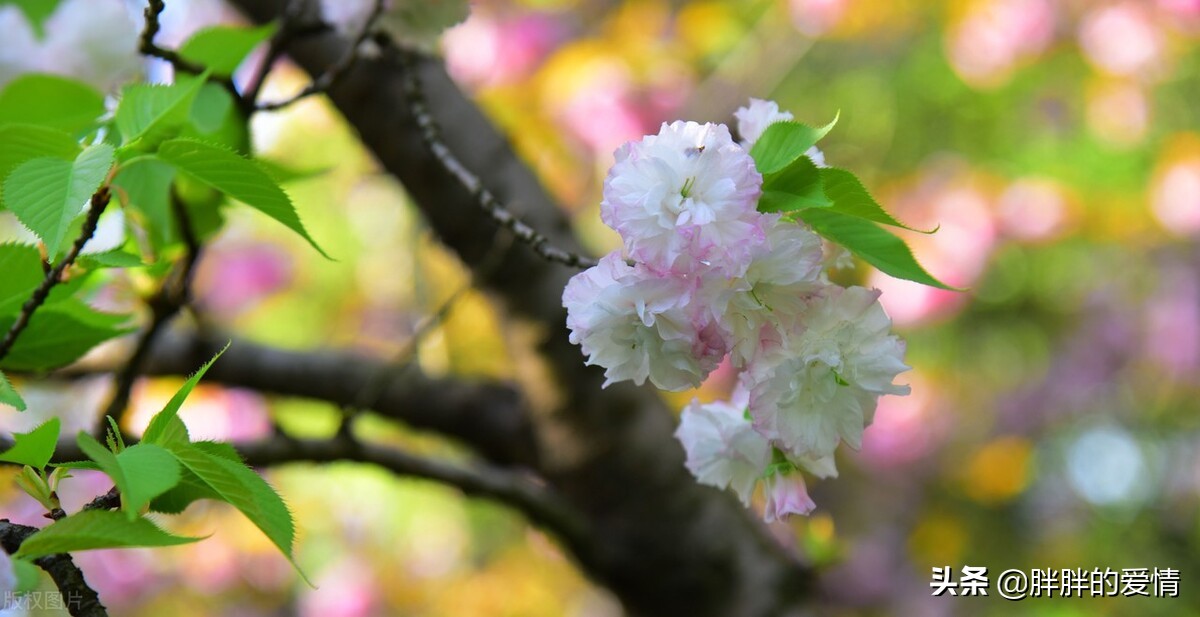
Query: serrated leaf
x=796 y=187
x=850 y=197
x=9 y=395
x=140 y=472
x=46 y=194
x=25 y=142
x=187 y=491
x=784 y=142
x=238 y=485
x=59 y=334
x=148 y=113
x=93 y=529
x=222 y=49
x=237 y=177
x=36 y=447
x=113 y=258
x=144 y=184
x=875 y=245
x=53 y=101
x=88 y=465
x=162 y=429
x=22 y=268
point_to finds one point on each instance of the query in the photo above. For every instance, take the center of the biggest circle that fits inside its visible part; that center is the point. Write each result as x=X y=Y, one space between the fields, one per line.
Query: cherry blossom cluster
x=704 y=276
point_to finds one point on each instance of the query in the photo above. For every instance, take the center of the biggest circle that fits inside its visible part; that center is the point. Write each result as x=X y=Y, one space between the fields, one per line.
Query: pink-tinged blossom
x=686 y=199
x=761 y=305
x=820 y=383
x=638 y=325
x=753 y=119
x=723 y=449
x=786 y=495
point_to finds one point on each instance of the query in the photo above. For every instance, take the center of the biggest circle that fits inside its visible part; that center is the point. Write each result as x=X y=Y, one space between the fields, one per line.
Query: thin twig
x=172 y=296
x=147 y=47
x=419 y=109
x=79 y=598
x=330 y=77
x=99 y=202
x=291 y=27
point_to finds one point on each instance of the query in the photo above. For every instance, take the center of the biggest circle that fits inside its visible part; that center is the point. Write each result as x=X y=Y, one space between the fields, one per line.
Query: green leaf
x=161 y=429
x=93 y=529
x=113 y=258
x=59 y=334
x=213 y=104
x=223 y=48
x=28 y=576
x=216 y=118
x=149 y=113
x=88 y=465
x=36 y=447
x=237 y=177
x=877 y=246
x=36 y=11
x=24 y=142
x=22 y=268
x=245 y=490
x=285 y=173
x=9 y=395
x=46 y=194
x=850 y=197
x=53 y=101
x=796 y=187
x=144 y=184
x=189 y=490
x=783 y=142
x=140 y=472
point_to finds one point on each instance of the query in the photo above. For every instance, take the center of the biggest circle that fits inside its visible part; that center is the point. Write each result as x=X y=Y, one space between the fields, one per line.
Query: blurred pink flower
x=345 y=589
x=1122 y=39
x=816 y=17
x=488 y=51
x=604 y=114
x=904 y=430
x=236 y=277
x=209 y=413
x=1031 y=209
x=1175 y=197
x=995 y=35
x=125 y=577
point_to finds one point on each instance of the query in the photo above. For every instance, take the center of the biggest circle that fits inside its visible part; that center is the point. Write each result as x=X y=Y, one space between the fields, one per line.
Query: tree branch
x=324 y=81
x=419 y=108
x=488 y=417
x=79 y=598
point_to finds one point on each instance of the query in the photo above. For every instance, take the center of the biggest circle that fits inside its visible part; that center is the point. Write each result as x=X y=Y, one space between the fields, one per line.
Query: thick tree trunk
x=662 y=543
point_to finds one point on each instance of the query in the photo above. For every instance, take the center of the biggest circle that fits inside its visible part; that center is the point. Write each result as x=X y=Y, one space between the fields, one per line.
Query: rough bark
x=662 y=543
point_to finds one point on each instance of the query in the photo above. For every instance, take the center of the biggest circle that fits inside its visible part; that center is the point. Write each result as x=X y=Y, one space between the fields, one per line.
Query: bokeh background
x=1054 y=420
